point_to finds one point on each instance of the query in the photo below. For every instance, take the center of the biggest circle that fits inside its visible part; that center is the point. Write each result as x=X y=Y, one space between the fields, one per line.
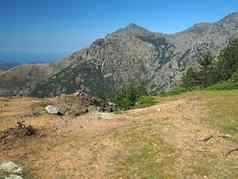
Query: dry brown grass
x=162 y=141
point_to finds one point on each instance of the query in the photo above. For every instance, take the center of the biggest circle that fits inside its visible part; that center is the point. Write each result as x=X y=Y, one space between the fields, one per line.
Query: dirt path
x=86 y=147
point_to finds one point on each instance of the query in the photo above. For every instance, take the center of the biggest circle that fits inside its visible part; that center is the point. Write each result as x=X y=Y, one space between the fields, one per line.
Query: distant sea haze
x=24 y=58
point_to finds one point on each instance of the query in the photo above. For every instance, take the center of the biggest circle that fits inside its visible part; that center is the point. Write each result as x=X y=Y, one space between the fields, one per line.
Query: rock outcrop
x=9 y=170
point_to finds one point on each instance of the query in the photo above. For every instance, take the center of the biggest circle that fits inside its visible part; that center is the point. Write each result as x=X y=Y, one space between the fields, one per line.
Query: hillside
x=134 y=55
x=157 y=61
x=21 y=79
x=185 y=136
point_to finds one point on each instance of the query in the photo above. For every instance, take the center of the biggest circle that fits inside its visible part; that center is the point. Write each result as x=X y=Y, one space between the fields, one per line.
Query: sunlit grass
x=146 y=155
x=222 y=109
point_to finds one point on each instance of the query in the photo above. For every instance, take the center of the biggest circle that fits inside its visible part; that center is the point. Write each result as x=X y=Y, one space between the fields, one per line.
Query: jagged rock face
x=134 y=55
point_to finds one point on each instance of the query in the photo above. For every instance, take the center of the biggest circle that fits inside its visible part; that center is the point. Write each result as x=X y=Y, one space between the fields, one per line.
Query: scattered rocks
x=10 y=170
x=107 y=107
x=77 y=104
x=74 y=105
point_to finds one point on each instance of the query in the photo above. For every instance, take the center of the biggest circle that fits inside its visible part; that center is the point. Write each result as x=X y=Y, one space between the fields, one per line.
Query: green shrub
x=128 y=96
x=234 y=77
x=145 y=101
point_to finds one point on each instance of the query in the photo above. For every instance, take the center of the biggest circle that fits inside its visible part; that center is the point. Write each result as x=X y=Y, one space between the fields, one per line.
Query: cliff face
x=134 y=55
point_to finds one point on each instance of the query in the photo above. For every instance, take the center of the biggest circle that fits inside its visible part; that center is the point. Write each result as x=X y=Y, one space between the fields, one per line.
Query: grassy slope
x=158 y=142
x=22 y=77
x=223 y=110
x=149 y=156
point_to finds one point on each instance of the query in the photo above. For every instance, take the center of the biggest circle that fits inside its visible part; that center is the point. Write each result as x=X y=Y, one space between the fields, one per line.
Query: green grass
x=180 y=90
x=226 y=85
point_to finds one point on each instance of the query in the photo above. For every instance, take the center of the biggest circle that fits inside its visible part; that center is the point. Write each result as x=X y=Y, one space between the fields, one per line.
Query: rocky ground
x=188 y=136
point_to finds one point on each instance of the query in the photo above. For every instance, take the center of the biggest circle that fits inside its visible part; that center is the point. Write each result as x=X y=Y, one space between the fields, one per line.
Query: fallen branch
x=225 y=136
x=231 y=151
x=207 y=138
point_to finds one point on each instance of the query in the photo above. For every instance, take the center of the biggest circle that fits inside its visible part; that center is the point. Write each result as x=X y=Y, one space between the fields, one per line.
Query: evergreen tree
x=207 y=72
x=228 y=61
x=190 y=79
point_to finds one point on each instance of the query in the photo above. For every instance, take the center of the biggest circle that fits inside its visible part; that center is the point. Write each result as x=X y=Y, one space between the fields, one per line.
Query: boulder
x=10 y=170
x=52 y=109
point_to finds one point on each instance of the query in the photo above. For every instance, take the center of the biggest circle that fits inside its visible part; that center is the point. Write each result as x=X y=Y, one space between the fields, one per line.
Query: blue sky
x=58 y=27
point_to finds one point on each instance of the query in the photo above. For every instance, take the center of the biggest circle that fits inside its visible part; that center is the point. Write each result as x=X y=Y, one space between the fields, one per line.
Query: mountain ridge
x=135 y=55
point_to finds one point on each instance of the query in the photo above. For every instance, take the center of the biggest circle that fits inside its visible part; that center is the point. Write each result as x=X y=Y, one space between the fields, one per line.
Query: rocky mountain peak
x=133 y=30
x=133 y=26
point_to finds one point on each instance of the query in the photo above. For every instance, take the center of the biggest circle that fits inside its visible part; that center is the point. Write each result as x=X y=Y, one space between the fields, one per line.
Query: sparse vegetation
x=133 y=97
x=148 y=156
x=222 y=108
x=145 y=101
x=148 y=143
x=21 y=130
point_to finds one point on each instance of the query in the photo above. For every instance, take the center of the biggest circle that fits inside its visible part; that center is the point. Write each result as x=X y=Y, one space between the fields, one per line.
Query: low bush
x=145 y=101
x=128 y=97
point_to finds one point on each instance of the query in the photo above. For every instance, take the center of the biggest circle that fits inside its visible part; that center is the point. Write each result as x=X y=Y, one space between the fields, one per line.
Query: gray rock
x=10 y=170
x=14 y=177
x=52 y=109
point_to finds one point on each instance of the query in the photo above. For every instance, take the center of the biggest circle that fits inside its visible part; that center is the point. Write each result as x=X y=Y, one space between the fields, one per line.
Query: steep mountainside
x=136 y=55
x=21 y=79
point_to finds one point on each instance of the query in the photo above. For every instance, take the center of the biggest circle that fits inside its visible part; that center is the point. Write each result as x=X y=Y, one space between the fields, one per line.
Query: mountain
x=21 y=79
x=135 y=55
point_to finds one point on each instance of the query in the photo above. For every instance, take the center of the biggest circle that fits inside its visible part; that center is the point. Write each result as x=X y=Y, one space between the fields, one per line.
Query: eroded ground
x=180 y=137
